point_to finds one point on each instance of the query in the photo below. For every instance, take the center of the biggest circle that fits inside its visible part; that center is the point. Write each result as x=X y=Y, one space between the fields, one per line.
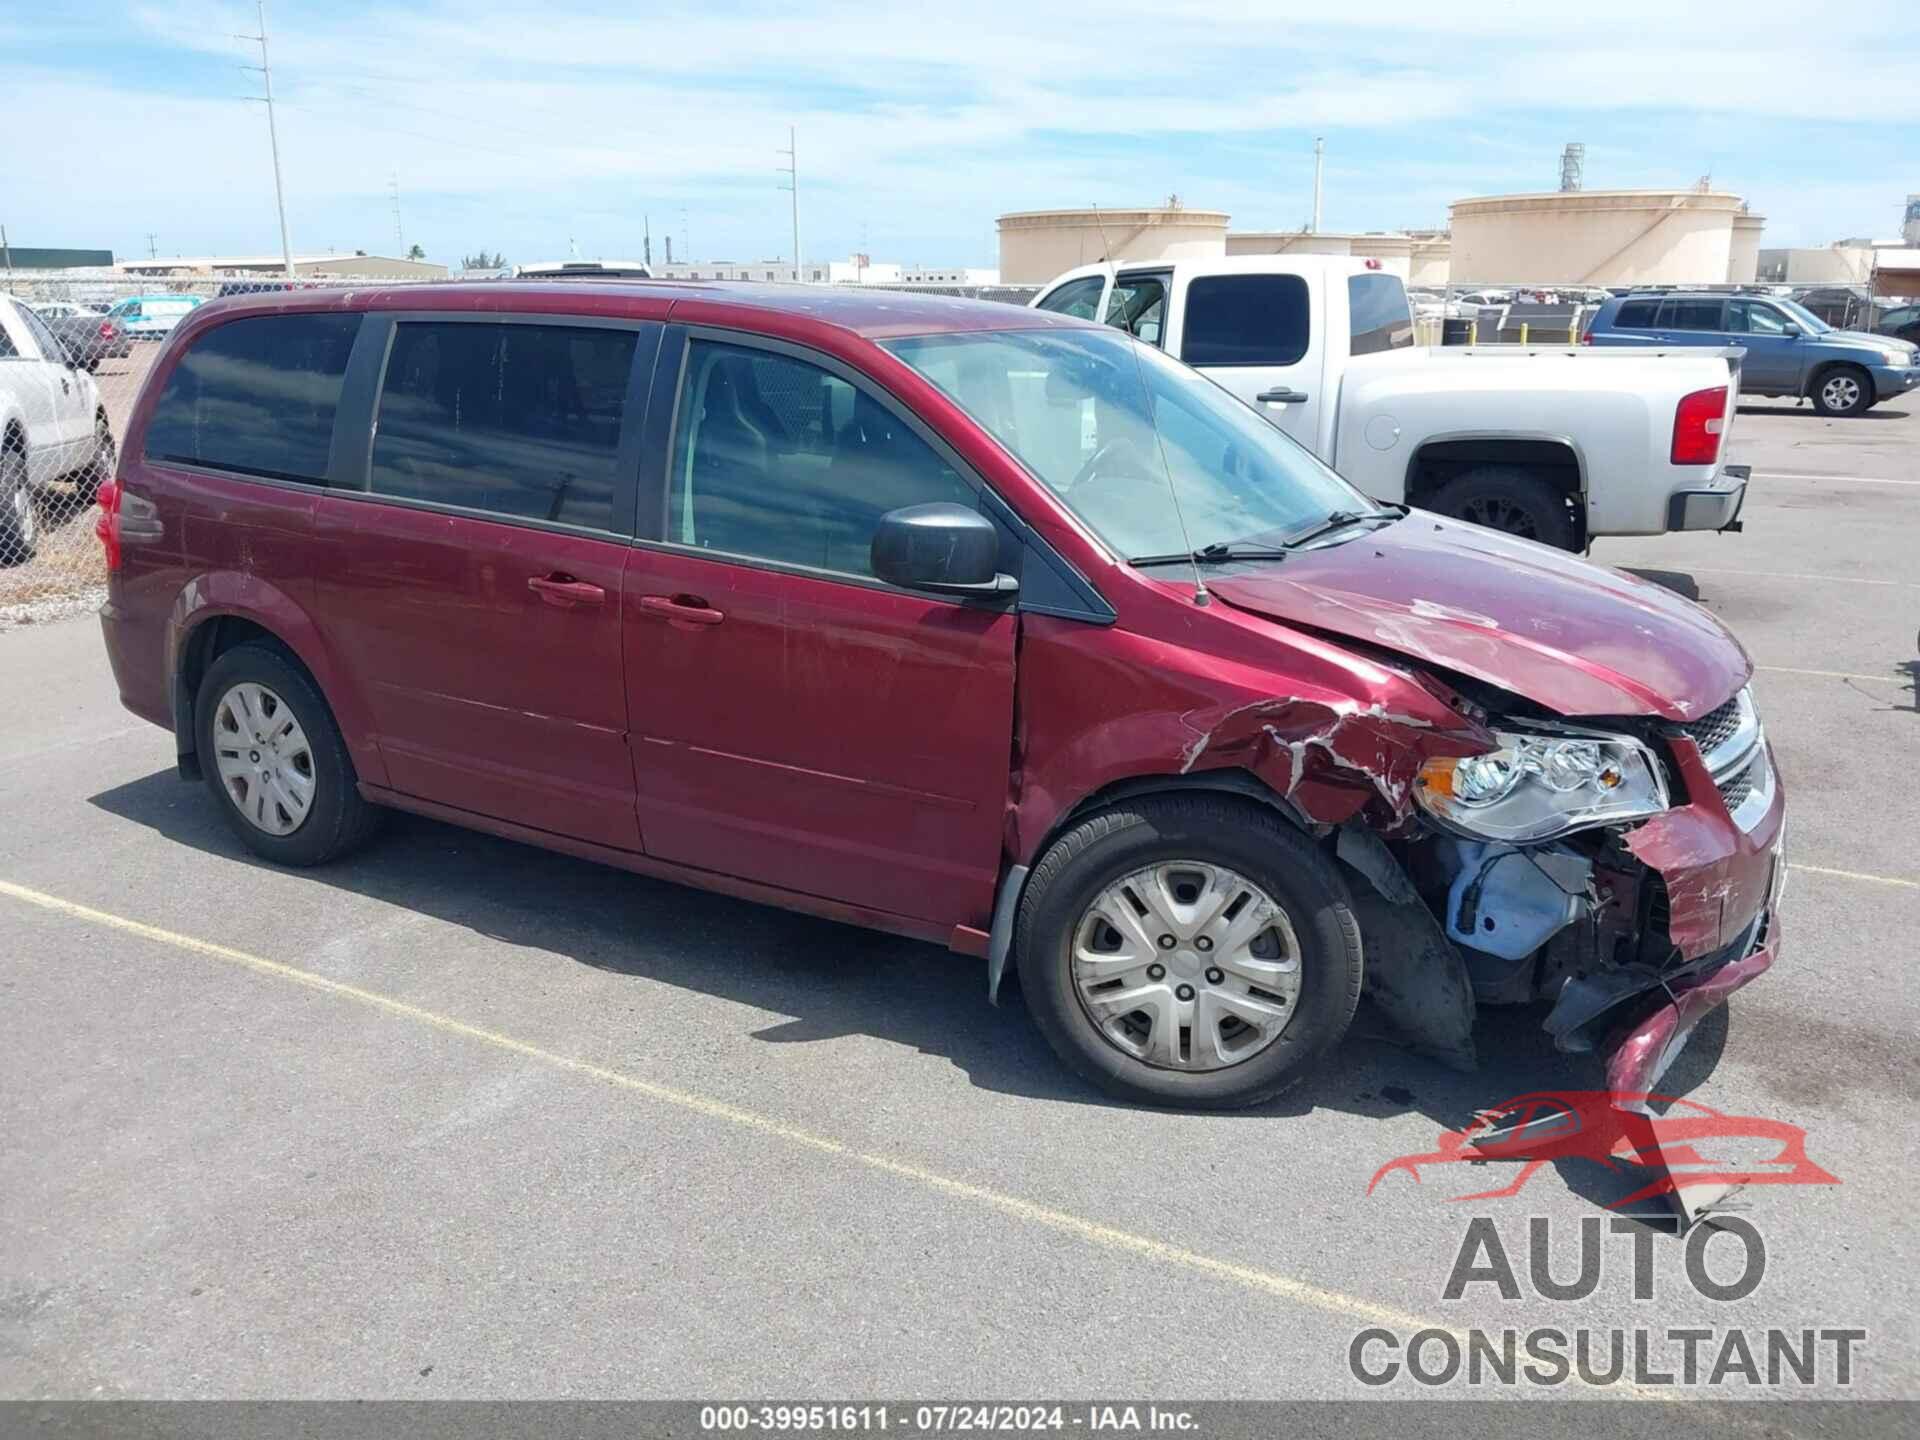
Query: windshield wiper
x=1340 y=520
x=1221 y=552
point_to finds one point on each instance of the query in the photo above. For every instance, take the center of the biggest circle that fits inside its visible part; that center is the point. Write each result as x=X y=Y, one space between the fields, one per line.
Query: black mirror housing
x=941 y=547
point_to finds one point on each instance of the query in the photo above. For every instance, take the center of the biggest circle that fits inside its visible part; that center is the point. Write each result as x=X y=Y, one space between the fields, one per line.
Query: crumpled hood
x=1577 y=638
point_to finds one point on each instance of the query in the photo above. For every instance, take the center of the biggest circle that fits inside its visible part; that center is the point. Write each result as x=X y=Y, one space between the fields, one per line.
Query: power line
x=265 y=67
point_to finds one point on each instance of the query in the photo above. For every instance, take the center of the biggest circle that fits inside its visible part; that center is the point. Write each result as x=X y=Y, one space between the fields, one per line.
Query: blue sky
x=521 y=126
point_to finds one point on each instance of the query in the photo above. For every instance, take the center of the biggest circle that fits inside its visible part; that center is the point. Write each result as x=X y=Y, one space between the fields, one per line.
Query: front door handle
x=565 y=591
x=680 y=609
x=1281 y=395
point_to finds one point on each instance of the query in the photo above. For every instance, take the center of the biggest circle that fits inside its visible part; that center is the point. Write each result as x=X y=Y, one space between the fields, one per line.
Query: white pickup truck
x=52 y=428
x=1555 y=443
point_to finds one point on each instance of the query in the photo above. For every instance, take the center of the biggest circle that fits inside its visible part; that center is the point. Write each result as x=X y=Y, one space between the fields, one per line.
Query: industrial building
x=1605 y=237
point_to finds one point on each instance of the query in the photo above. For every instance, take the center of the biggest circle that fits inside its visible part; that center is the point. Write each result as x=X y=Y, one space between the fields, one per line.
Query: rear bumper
x=1711 y=505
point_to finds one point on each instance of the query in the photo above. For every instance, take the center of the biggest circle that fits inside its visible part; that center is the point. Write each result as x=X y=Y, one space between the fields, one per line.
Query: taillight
x=1698 y=424
x=107 y=527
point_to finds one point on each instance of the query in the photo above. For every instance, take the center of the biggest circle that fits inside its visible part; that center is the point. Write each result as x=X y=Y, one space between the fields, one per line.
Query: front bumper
x=1890 y=380
x=1713 y=504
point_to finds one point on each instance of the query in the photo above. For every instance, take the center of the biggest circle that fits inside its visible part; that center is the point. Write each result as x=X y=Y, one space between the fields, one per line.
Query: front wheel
x=1191 y=951
x=1843 y=391
x=19 y=517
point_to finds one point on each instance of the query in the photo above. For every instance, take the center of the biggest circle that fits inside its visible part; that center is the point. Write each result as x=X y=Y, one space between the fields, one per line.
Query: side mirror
x=1790 y=331
x=942 y=547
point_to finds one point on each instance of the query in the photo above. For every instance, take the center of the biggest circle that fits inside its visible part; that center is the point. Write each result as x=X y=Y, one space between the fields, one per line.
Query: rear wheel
x=1190 y=951
x=1842 y=390
x=1502 y=497
x=19 y=519
x=274 y=757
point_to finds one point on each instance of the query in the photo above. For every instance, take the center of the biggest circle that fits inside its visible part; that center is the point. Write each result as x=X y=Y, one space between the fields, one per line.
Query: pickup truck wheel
x=1842 y=390
x=19 y=519
x=276 y=761
x=1501 y=497
x=1188 y=951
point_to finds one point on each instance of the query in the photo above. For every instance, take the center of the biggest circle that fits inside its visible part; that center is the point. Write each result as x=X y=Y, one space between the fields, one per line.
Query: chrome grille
x=1713 y=730
x=1735 y=788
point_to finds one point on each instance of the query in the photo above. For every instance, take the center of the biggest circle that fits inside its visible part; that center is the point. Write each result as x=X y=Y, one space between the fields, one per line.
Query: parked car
x=1844 y=307
x=1542 y=444
x=53 y=430
x=88 y=336
x=148 y=317
x=1902 y=323
x=1789 y=350
x=888 y=608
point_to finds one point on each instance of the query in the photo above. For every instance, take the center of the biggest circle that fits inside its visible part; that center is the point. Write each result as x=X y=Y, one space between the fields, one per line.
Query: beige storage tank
x=1596 y=237
x=1743 y=267
x=1036 y=245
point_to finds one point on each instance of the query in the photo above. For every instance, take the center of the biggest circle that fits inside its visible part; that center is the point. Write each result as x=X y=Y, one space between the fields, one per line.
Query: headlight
x=1895 y=357
x=1535 y=787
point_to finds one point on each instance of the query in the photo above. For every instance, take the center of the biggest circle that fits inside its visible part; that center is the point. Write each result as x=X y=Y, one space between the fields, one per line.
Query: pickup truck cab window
x=1246 y=320
x=258 y=396
x=1138 y=306
x=778 y=459
x=1078 y=298
x=517 y=420
x=1379 y=317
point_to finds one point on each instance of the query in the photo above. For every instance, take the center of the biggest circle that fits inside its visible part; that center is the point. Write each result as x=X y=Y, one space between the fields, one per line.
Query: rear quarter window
x=1246 y=320
x=256 y=395
x=1636 y=315
x=1378 y=315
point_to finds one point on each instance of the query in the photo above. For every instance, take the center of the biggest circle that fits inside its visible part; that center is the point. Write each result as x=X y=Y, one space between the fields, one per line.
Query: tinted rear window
x=1378 y=315
x=1636 y=315
x=1245 y=320
x=256 y=395
x=1692 y=315
x=520 y=420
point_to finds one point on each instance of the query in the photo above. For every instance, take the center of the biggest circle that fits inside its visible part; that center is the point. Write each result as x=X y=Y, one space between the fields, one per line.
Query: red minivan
x=976 y=624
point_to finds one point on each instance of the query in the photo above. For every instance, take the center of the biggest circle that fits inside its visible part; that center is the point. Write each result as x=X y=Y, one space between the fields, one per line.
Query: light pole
x=792 y=169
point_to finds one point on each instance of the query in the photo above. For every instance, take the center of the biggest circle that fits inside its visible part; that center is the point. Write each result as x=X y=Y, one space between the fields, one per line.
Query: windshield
x=1071 y=406
x=1813 y=323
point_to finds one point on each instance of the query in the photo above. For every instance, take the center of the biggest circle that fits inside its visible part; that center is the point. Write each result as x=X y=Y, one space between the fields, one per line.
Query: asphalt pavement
x=462 y=1118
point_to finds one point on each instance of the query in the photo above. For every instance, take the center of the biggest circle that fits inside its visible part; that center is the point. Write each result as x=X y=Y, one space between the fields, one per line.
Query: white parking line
x=1832 y=674
x=1855 y=875
x=1837 y=479
x=1794 y=575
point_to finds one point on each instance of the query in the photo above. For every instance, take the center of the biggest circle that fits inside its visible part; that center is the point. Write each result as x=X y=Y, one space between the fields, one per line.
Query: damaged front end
x=1653 y=898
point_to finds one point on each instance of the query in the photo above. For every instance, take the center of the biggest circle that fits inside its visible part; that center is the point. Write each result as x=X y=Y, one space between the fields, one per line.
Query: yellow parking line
x=1855 y=875
x=1107 y=1237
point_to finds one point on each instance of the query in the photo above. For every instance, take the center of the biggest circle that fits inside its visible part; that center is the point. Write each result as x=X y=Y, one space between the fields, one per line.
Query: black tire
x=1842 y=391
x=99 y=470
x=339 y=819
x=1509 y=499
x=19 y=511
x=1244 y=836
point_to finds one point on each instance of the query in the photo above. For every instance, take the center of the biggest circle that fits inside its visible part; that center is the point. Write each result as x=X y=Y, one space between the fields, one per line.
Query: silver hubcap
x=24 y=522
x=1187 y=966
x=263 y=758
x=1841 y=392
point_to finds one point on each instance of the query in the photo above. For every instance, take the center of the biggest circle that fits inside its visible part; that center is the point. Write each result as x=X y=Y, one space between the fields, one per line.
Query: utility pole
x=399 y=236
x=792 y=169
x=153 y=249
x=1319 y=160
x=686 y=246
x=6 y=251
x=646 y=245
x=265 y=68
